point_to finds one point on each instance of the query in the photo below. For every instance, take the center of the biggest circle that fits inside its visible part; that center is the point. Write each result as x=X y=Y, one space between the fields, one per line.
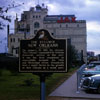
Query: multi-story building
x=60 y=26
x=90 y=54
x=98 y=57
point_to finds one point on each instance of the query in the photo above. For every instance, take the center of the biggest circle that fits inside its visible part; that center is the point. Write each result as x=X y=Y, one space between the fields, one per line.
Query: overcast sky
x=88 y=10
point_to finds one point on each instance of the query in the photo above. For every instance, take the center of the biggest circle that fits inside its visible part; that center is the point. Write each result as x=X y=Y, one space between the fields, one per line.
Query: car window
x=90 y=65
x=97 y=68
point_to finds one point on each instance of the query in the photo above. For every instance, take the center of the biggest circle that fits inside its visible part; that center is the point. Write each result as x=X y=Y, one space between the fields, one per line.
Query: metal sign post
x=77 y=73
x=42 y=88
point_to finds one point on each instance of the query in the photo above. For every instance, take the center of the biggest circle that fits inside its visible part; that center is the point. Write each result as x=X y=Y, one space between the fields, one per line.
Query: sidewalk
x=69 y=90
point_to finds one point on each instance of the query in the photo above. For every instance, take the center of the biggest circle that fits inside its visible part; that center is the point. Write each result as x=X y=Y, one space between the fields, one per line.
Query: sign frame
x=53 y=45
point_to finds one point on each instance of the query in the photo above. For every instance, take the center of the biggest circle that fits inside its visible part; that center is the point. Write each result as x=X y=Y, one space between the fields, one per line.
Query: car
x=92 y=71
x=92 y=65
x=92 y=83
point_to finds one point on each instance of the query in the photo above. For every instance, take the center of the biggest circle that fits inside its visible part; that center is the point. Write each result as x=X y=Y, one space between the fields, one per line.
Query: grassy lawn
x=15 y=87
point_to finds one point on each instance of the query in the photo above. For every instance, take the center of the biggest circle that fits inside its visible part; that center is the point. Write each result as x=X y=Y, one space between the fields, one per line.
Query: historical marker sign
x=43 y=54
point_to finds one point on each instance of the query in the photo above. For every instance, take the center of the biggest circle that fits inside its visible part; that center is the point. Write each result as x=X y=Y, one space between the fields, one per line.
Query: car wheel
x=99 y=89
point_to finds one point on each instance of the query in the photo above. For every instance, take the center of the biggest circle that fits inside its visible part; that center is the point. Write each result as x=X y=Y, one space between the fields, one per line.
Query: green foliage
x=29 y=82
x=72 y=56
x=12 y=88
x=9 y=63
x=0 y=72
x=23 y=86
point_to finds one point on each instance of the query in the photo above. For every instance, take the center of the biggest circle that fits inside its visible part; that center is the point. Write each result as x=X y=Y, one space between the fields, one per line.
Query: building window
x=77 y=25
x=18 y=26
x=13 y=39
x=36 y=16
x=66 y=25
x=35 y=31
x=39 y=16
x=22 y=26
x=18 y=39
x=28 y=28
x=25 y=16
x=52 y=33
x=16 y=51
x=36 y=25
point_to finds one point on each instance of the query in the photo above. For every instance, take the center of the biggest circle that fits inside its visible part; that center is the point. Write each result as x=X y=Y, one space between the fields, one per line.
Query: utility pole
x=8 y=35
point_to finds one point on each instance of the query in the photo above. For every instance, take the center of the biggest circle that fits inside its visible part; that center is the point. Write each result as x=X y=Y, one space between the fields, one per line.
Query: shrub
x=9 y=63
x=28 y=82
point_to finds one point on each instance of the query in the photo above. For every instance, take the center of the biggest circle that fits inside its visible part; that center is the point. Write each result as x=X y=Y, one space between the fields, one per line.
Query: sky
x=88 y=10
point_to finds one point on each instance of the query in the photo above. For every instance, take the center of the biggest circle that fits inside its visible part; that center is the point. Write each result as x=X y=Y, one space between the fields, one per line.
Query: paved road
x=69 y=90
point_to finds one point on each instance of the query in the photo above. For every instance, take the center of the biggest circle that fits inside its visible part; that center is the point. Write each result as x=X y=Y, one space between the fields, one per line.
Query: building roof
x=62 y=19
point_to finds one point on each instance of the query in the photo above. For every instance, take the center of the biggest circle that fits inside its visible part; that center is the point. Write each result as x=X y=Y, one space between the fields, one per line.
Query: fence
x=79 y=75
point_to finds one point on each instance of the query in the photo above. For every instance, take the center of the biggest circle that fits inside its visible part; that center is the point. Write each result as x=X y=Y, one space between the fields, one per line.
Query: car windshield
x=90 y=66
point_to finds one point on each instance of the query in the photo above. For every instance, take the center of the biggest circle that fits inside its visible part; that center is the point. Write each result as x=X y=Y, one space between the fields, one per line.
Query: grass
x=14 y=87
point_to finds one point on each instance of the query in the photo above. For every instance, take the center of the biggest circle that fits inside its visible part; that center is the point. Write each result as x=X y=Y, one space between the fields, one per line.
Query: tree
x=72 y=56
x=3 y=13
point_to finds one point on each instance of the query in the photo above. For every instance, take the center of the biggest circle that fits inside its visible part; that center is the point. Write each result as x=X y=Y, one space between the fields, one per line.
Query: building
x=98 y=57
x=90 y=54
x=60 y=26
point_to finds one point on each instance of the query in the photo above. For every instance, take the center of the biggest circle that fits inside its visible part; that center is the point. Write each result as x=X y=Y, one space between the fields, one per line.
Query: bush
x=9 y=63
x=29 y=82
x=0 y=72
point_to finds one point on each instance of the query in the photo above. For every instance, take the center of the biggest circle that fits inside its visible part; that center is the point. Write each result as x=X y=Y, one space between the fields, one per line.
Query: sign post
x=42 y=55
x=42 y=88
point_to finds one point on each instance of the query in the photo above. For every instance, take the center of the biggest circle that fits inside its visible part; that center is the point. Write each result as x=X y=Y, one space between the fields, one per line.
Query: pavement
x=69 y=90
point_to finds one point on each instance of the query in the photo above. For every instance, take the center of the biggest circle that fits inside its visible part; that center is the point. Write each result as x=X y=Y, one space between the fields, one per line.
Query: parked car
x=92 y=65
x=92 y=71
x=92 y=82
